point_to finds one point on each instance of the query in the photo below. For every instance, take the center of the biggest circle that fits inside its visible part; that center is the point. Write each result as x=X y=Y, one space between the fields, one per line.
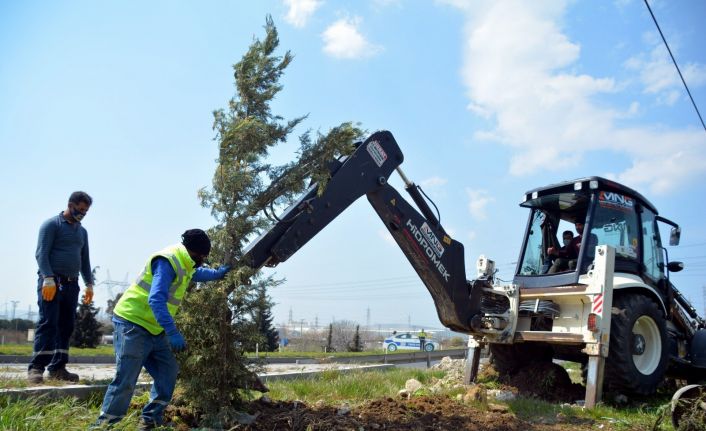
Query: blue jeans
x=135 y=347
x=56 y=323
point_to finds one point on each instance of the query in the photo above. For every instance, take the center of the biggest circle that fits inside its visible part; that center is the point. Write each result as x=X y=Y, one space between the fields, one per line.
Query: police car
x=408 y=342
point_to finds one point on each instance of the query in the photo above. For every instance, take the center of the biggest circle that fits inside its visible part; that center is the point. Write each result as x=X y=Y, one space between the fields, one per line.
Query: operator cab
x=611 y=213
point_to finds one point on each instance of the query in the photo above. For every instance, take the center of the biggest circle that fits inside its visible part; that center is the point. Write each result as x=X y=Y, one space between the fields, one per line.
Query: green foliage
x=457 y=342
x=26 y=350
x=357 y=345
x=19 y=324
x=263 y=320
x=41 y=414
x=87 y=332
x=220 y=320
x=355 y=387
x=112 y=303
x=329 y=339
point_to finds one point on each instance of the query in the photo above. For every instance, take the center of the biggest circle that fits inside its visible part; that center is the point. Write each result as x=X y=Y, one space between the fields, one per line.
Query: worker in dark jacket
x=568 y=254
x=62 y=253
x=145 y=333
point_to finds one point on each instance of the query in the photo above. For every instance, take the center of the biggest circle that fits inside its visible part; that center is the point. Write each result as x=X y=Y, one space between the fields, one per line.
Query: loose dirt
x=435 y=410
x=547 y=381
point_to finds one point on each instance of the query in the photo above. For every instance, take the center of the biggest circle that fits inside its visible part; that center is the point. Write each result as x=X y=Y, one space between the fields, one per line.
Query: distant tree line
x=19 y=324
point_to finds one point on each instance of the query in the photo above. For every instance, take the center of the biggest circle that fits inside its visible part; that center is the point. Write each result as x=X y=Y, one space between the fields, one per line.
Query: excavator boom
x=437 y=259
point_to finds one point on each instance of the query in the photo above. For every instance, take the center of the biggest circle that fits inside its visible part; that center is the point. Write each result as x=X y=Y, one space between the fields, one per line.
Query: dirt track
x=417 y=413
x=431 y=412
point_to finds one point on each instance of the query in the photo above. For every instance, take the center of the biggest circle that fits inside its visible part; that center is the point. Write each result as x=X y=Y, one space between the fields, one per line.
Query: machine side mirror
x=675 y=235
x=675 y=266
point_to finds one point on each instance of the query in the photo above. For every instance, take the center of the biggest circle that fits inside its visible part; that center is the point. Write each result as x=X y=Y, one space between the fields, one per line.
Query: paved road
x=107 y=371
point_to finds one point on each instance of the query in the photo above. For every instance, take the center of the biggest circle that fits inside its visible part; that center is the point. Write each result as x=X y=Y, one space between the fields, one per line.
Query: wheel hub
x=638 y=344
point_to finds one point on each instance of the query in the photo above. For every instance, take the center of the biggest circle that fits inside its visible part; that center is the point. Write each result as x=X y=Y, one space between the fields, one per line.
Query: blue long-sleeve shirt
x=62 y=249
x=162 y=277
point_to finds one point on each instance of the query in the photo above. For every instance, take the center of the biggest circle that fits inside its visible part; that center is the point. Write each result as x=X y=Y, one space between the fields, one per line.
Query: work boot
x=62 y=374
x=35 y=376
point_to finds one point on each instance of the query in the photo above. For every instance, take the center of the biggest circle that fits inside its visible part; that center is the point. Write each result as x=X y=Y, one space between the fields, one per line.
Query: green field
x=334 y=388
x=26 y=350
x=107 y=350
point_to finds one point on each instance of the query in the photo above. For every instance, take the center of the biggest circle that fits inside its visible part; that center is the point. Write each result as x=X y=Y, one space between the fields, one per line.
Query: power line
x=675 y=65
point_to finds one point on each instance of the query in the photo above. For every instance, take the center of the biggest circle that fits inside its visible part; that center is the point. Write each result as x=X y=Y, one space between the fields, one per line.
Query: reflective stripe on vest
x=134 y=304
x=180 y=274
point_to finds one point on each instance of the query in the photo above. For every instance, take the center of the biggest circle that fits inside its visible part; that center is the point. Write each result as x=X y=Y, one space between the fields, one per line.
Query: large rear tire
x=510 y=358
x=638 y=355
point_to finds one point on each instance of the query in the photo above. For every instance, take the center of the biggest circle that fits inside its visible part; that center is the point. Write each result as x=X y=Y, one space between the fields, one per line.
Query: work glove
x=223 y=270
x=177 y=341
x=48 y=289
x=88 y=294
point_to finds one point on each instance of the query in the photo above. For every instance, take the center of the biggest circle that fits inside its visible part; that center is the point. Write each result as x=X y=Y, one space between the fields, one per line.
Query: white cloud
x=518 y=73
x=472 y=235
x=434 y=182
x=478 y=200
x=342 y=39
x=300 y=11
x=659 y=77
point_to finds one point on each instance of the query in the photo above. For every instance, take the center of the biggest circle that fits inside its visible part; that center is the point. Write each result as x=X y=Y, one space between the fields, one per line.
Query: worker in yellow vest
x=422 y=339
x=145 y=333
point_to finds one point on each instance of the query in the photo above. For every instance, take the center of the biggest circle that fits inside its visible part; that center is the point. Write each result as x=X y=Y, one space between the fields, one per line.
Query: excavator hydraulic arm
x=437 y=259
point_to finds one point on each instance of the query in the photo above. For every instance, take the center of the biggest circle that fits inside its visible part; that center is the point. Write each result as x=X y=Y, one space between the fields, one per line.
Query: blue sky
x=487 y=99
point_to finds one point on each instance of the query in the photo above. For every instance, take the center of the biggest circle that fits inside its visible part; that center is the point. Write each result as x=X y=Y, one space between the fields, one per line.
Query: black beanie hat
x=197 y=241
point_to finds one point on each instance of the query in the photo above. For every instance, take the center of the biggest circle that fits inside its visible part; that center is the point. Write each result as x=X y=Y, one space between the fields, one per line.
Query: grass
x=39 y=414
x=574 y=370
x=107 y=350
x=643 y=417
x=26 y=350
x=295 y=354
x=334 y=387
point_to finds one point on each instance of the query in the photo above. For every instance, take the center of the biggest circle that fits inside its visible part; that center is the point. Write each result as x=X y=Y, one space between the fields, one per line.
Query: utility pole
x=290 y=315
x=367 y=318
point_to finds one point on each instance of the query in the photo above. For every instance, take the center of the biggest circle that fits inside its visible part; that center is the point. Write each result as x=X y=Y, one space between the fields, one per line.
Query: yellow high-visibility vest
x=133 y=306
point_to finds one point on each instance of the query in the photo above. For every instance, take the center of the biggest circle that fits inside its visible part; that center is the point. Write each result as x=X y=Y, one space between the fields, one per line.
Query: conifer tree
x=263 y=319
x=217 y=318
x=356 y=346
x=112 y=303
x=329 y=338
x=87 y=328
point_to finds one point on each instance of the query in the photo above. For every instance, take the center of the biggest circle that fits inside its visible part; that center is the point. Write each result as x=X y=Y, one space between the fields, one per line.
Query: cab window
x=533 y=254
x=652 y=257
x=614 y=223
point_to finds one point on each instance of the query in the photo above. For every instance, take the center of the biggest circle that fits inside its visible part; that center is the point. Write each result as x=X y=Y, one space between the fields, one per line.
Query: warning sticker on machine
x=376 y=152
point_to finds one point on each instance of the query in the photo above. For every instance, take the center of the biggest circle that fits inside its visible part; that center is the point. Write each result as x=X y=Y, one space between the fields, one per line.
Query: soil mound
x=418 y=413
x=547 y=381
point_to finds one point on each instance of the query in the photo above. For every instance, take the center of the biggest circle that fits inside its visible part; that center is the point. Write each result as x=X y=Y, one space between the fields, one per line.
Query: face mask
x=76 y=214
x=566 y=242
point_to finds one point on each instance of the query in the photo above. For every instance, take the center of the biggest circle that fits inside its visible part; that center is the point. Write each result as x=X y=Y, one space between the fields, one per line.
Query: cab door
x=652 y=253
